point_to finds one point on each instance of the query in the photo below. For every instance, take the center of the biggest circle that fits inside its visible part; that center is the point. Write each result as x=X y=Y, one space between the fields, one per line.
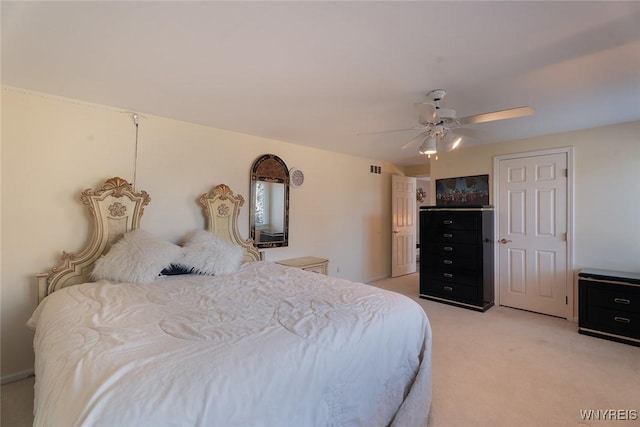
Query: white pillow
x=205 y=253
x=137 y=257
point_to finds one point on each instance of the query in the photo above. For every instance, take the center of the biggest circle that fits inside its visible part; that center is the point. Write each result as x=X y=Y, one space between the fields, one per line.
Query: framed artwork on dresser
x=463 y=191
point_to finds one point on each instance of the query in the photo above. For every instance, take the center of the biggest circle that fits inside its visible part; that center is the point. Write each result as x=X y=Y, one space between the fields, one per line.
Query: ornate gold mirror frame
x=269 y=207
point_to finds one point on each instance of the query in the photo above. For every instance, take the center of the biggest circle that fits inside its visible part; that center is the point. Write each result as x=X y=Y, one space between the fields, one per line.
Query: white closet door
x=403 y=229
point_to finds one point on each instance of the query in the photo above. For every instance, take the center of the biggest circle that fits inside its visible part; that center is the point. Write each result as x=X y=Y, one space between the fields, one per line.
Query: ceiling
x=323 y=74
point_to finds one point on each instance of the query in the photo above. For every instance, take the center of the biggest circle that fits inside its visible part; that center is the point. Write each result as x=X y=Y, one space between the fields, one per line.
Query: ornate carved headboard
x=115 y=209
x=221 y=208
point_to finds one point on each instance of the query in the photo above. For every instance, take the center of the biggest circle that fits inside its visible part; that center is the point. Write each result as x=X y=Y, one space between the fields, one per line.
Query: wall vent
x=375 y=169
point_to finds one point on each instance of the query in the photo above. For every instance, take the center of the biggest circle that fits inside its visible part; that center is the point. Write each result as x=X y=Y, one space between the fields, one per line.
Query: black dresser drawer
x=434 y=261
x=615 y=321
x=445 y=250
x=453 y=221
x=454 y=291
x=616 y=297
x=453 y=275
x=453 y=236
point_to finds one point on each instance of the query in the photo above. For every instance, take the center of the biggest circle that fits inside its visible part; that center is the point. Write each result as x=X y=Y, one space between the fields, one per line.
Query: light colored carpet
x=17 y=403
x=501 y=368
x=509 y=367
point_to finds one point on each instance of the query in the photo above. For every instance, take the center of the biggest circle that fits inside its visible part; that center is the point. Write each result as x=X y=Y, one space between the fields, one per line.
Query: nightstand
x=609 y=305
x=308 y=263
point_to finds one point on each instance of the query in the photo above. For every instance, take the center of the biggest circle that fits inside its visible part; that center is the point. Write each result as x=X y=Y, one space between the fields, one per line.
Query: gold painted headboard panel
x=221 y=209
x=115 y=209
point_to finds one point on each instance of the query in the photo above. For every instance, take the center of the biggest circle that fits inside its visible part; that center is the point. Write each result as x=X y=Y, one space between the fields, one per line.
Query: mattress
x=269 y=345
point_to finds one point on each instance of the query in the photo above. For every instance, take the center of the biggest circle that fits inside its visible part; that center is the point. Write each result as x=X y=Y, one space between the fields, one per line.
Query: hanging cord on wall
x=136 y=121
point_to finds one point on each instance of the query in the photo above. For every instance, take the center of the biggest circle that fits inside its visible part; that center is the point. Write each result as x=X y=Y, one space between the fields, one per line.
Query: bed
x=261 y=344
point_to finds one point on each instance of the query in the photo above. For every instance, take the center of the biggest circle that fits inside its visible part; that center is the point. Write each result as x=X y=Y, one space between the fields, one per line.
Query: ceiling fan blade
x=451 y=141
x=390 y=131
x=415 y=140
x=427 y=113
x=454 y=143
x=472 y=133
x=511 y=113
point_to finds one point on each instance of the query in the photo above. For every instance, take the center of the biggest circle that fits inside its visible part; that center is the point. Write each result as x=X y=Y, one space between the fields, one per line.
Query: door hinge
x=563 y=237
x=566 y=300
x=566 y=172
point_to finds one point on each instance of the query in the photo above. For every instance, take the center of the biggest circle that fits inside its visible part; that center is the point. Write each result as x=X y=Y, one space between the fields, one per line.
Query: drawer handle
x=622 y=319
x=447 y=222
x=448 y=248
x=447 y=275
x=447 y=235
x=447 y=261
x=622 y=301
x=448 y=288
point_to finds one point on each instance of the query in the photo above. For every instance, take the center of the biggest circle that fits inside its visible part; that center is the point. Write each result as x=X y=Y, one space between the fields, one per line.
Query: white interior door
x=532 y=233
x=403 y=229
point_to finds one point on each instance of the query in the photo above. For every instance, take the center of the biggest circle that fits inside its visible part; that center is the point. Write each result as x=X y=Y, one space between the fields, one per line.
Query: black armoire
x=456 y=256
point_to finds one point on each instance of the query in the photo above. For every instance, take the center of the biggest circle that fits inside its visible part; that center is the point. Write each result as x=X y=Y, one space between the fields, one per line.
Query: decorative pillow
x=205 y=253
x=137 y=257
x=176 y=270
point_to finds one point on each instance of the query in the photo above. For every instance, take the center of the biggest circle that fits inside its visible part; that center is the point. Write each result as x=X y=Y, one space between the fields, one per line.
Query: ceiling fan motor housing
x=437 y=94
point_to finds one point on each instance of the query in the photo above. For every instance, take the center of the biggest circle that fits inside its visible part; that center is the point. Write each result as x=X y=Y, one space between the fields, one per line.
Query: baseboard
x=18 y=376
x=375 y=279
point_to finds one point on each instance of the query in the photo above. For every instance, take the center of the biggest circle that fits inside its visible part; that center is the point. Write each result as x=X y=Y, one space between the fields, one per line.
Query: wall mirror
x=269 y=218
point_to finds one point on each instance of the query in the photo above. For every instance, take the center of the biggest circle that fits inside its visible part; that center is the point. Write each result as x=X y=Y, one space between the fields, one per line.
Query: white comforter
x=267 y=346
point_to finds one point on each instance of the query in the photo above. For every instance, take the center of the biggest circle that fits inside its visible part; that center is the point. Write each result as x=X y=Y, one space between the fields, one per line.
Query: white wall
x=53 y=148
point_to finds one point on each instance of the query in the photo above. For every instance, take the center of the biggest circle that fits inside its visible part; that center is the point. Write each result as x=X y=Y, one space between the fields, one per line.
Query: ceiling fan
x=442 y=131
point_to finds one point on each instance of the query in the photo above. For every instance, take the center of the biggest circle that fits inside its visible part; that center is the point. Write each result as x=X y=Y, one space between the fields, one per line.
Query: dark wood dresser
x=609 y=305
x=456 y=262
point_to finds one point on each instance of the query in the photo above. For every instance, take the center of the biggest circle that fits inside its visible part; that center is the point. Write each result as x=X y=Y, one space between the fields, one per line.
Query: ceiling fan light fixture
x=447 y=113
x=428 y=147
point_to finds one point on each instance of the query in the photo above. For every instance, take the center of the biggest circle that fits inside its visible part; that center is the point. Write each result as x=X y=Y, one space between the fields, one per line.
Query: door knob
x=504 y=241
